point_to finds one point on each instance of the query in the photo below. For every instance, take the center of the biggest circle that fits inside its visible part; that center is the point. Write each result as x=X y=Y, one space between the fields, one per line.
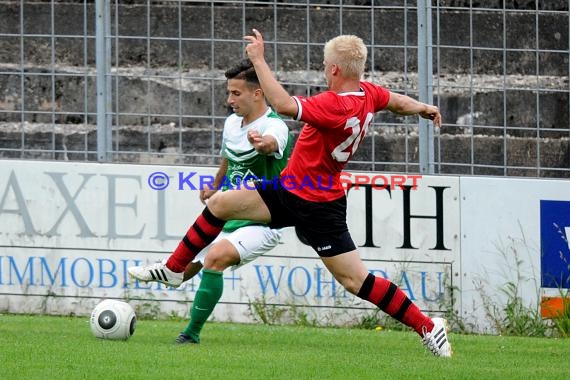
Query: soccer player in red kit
x=336 y=121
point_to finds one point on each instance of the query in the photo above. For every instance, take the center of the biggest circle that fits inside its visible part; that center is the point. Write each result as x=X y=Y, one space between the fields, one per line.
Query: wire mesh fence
x=142 y=81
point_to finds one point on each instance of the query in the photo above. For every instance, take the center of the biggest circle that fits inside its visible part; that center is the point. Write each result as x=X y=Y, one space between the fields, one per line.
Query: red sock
x=394 y=302
x=199 y=235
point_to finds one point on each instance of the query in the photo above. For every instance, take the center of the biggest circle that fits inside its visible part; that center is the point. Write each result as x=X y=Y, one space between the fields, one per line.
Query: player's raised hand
x=254 y=49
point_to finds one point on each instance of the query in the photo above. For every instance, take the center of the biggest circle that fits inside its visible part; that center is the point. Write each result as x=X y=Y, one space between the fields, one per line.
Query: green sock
x=207 y=296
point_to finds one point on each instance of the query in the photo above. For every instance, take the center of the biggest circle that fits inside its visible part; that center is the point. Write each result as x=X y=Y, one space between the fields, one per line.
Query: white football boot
x=436 y=340
x=157 y=272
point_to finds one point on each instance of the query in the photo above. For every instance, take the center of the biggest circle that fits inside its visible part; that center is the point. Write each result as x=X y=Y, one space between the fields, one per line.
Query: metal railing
x=142 y=81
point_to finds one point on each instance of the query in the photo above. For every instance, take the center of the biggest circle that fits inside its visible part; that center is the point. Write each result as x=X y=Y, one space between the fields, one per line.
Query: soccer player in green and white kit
x=256 y=143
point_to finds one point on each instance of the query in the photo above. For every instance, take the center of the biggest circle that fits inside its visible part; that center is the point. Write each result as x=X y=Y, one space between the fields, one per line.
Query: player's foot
x=157 y=272
x=436 y=340
x=185 y=339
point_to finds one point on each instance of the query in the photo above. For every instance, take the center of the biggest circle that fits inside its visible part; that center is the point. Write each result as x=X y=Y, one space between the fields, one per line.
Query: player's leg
x=323 y=226
x=244 y=203
x=196 y=265
x=220 y=256
x=192 y=269
x=237 y=248
x=349 y=270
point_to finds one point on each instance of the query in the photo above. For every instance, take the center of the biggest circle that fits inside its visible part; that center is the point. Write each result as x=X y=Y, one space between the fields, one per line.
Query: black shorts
x=322 y=225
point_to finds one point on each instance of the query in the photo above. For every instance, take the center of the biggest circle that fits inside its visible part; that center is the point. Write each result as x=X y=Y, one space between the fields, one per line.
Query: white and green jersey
x=244 y=161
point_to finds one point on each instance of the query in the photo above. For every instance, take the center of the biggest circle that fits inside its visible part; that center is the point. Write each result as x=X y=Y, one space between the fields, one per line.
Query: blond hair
x=349 y=53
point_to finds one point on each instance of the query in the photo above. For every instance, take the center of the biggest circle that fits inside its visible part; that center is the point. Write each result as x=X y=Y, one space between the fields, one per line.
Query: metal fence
x=142 y=81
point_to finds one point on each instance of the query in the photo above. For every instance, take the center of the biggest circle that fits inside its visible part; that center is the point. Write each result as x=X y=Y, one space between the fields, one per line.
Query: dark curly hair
x=243 y=70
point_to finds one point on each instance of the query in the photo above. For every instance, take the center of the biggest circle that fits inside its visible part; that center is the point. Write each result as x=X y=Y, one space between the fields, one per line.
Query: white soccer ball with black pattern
x=112 y=319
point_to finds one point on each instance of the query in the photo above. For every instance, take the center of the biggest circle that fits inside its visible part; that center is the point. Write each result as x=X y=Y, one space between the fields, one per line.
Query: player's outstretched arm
x=404 y=105
x=277 y=96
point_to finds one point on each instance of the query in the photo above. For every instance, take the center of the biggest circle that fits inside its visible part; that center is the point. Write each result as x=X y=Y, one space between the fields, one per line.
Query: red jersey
x=335 y=125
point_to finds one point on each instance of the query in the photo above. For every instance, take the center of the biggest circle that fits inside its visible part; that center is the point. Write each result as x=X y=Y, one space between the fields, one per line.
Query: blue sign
x=555 y=246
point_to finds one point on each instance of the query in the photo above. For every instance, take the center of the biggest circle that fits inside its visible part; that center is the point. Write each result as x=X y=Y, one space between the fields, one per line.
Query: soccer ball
x=112 y=319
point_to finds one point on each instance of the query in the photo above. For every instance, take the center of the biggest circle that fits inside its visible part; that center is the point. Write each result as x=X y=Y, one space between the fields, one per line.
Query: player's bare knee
x=219 y=260
x=215 y=263
x=216 y=205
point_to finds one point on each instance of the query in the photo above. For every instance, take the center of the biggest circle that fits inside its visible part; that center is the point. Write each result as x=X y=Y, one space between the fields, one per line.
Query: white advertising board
x=505 y=233
x=68 y=231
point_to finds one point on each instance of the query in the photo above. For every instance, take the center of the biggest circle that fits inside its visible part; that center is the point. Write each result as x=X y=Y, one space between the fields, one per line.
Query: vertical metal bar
x=372 y=78
x=52 y=79
x=505 y=133
x=308 y=49
x=102 y=59
x=406 y=119
x=425 y=82
x=85 y=82
x=275 y=30
x=115 y=90
x=181 y=77
x=108 y=82
x=22 y=82
x=471 y=95
x=340 y=15
x=244 y=30
x=438 y=75
x=537 y=56
x=148 y=75
x=212 y=79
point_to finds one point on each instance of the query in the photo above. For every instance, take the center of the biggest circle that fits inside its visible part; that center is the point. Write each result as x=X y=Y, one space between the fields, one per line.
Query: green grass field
x=44 y=347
